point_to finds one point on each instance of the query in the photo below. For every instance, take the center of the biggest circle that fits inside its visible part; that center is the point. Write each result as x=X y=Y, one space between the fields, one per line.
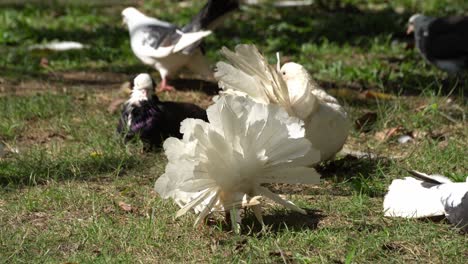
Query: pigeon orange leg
x=164 y=87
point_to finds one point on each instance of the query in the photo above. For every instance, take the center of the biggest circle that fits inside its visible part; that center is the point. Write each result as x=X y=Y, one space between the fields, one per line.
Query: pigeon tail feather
x=210 y=14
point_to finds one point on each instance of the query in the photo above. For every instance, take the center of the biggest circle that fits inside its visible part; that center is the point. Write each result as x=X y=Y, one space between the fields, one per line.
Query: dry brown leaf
x=387 y=133
x=344 y=93
x=125 y=206
x=376 y=95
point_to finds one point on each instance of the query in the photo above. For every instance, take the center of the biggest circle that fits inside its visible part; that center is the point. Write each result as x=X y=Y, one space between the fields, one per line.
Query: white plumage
x=164 y=46
x=247 y=72
x=221 y=165
x=58 y=46
x=429 y=195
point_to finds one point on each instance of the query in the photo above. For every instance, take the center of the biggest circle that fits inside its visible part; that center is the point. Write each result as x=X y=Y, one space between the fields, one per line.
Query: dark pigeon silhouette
x=442 y=41
x=144 y=116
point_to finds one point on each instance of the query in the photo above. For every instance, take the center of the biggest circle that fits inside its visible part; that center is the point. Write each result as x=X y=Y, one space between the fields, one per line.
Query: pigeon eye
x=284 y=73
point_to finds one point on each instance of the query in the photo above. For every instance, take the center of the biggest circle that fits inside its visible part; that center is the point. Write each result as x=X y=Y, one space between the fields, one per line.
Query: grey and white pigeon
x=144 y=115
x=442 y=41
x=169 y=48
x=426 y=196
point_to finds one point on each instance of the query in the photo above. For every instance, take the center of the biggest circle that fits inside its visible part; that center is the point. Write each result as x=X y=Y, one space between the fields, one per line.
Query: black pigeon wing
x=207 y=18
x=447 y=38
x=175 y=113
x=157 y=36
x=210 y=13
x=154 y=121
x=147 y=120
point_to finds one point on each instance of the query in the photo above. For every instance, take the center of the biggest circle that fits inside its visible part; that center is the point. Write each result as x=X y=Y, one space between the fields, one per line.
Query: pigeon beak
x=410 y=29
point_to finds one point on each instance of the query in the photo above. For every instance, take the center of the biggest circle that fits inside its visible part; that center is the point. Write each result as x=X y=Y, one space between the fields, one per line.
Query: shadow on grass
x=277 y=222
x=37 y=169
x=313 y=24
x=284 y=221
x=206 y=87
x=363 y=175
x=350 y=166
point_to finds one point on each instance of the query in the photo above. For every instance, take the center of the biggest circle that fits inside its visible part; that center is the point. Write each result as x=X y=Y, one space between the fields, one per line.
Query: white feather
x=221 y=165
x=414 y=198
x=167 y=58
x=248 y=72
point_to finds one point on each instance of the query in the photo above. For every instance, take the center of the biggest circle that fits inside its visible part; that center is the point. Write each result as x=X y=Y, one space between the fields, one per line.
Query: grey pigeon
x=442 y=41
x=169 y=48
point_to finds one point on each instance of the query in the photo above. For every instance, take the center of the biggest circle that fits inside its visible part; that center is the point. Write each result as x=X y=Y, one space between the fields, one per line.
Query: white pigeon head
x=415 y=21
x=129 y=14
x=292 y=70
x=142 y=87
x=295 y=75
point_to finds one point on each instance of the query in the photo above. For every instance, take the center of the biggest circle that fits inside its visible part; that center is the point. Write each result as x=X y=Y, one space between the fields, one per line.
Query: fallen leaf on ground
x=125 y=206
x=387 y=133
x=344 y=93
x=376 y=95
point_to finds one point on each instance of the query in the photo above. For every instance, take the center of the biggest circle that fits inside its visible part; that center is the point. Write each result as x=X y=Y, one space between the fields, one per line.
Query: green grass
x=60 y=190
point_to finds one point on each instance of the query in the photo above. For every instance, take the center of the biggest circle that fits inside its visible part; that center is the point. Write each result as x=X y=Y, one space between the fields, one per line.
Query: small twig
x=281 y=253
x=449 y=118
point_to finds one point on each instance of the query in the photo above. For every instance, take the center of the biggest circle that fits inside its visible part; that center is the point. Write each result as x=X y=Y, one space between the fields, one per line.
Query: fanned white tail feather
x=222 y=164
x=249 y=72
x=291 y=87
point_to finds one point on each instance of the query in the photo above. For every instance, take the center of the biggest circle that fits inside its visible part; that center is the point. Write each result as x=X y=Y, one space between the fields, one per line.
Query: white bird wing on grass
x=221 y=165
x=248 y=72
x=429 y=195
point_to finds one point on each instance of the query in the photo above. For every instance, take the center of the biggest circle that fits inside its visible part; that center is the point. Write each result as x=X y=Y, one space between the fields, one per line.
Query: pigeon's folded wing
x=160 y=41
x=188 y=39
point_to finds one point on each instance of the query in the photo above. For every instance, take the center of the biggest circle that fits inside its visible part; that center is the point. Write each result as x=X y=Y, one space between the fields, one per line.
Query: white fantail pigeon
x=442 y=41
x=151 y=119
x=168 y=48
x=426 y=196
x=224 y=164
x=325 y=121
